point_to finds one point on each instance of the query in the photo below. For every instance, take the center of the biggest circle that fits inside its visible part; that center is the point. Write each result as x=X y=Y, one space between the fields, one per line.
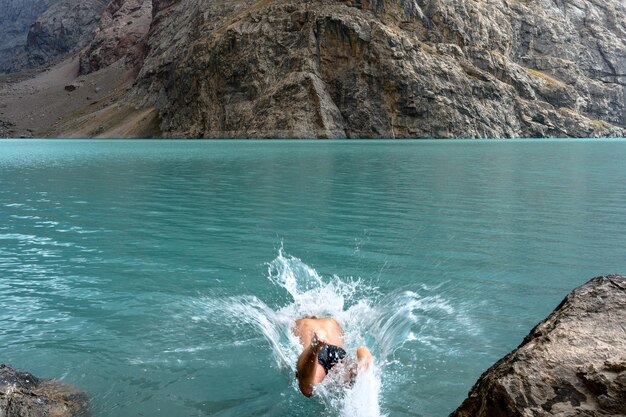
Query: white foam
x=362 y=400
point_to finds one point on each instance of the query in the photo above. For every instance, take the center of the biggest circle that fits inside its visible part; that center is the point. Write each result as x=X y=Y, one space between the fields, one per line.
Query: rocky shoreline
x=571 y=364
x=24 y=395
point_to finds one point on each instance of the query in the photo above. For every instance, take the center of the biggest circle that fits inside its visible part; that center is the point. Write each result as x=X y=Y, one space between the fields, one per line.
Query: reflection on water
x=147 y=272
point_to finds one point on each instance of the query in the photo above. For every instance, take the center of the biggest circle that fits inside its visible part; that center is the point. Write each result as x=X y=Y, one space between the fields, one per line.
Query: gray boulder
x=571 y=364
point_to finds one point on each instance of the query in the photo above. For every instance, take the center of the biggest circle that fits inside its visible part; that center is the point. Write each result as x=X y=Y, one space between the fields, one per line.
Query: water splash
x=362 y=400
x=384 y=323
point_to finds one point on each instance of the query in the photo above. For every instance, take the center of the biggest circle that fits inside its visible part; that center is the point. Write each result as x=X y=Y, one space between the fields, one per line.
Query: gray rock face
x=571 y=364
x=63 y=27
x=353 y=68
x=16 y=18
x=22 y=394
x=6 y=129
x=387 y=68
x=122 y=33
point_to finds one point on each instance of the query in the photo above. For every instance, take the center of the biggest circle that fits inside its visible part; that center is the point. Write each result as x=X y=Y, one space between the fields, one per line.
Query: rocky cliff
x=16 y=18
x=387 y=68
x=571 y=364
x=63 y=27
x=22 y=394
x=350 y=68
x=122 y=33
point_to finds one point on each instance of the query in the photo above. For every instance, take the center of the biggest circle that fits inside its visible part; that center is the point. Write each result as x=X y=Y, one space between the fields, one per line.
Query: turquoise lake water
x=161 y=276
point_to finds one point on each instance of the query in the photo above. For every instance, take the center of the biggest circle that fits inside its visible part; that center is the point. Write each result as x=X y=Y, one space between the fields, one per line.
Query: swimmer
x=323 y=349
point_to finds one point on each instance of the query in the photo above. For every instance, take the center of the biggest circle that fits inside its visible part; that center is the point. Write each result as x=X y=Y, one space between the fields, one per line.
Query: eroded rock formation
x=387 y=68
x=121 y=34
x=353 y=68
x=63 y=27
x=16 y=18
x=571 y=364
x=22 y=394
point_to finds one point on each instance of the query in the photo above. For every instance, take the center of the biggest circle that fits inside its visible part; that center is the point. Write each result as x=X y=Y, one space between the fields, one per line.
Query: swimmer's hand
x=317 y=342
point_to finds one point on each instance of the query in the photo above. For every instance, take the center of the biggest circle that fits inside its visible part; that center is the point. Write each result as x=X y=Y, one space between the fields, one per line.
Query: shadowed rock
x=24 y=395
x=6 y=129
x=62 y=28
x=16 y=17
x=571 y=364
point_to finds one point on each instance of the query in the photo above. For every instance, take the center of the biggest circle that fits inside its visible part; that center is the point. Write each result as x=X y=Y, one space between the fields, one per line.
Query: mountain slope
x=122 y=33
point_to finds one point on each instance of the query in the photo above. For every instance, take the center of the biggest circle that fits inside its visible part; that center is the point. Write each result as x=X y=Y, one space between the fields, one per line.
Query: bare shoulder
x=303 y=321
x=317 y=323
x=329 y=321
x=304 y=324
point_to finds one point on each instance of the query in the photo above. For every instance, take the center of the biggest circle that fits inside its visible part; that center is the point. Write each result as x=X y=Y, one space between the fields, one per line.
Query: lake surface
x=161 y=276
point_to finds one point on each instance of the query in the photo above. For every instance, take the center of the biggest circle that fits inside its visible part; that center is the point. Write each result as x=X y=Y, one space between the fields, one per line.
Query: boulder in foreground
x=571 y=364
x=24 y=395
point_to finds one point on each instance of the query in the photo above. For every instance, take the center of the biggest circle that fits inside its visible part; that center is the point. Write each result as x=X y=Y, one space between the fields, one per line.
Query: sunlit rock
x=571 y=364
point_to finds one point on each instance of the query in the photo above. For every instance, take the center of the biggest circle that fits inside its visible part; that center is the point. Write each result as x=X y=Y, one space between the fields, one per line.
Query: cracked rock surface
x=121 y=34
x=387 y=68
x=571 y=364
x=16 y=17
x=62 y=28
x=22 y=394
x=346 y=68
